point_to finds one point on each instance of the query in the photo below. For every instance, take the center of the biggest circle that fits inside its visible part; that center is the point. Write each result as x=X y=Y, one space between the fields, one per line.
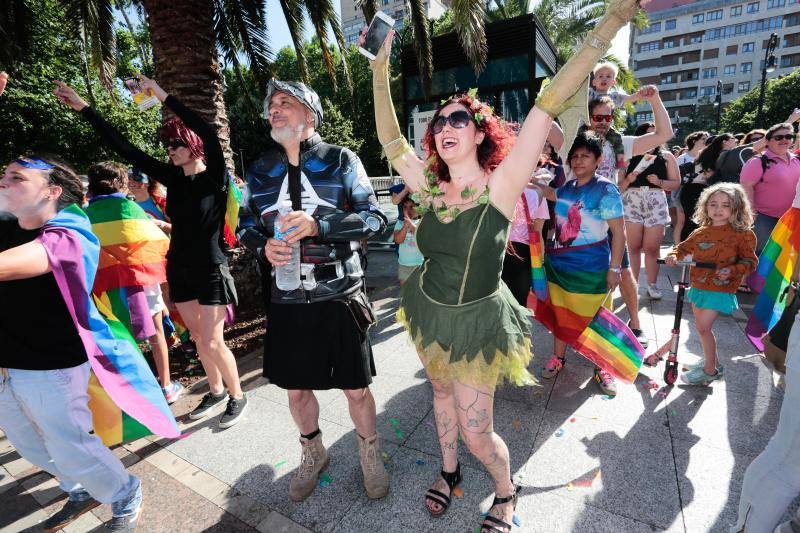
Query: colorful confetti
x=595 y=417
x=325 y=480
x=674 y=412
x=458 y=492
x=420 y=462
x=606 y=397
x=517 y=521
x=569 y=486
x=560 y=432
x=280 y=463
x=517 y=424
x=573 y=419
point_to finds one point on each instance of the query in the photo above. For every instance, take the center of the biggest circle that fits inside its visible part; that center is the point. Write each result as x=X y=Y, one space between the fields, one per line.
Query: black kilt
x=316 y=346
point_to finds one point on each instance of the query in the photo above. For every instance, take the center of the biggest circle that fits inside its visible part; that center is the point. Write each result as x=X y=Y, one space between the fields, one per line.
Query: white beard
x=287 y=133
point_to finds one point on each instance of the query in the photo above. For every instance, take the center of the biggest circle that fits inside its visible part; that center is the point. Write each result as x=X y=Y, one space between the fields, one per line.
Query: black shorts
x=209 y=285
x=316 y=346
x=626 y=259
x=517 y=271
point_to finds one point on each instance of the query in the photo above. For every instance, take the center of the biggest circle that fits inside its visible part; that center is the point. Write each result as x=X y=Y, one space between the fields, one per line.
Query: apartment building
x=353 y=18
x=691 y=45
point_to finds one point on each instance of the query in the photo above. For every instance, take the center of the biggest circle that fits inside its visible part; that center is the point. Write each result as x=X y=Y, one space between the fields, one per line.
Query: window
x=668 y=78
x=732 y=49
x=689 y=76
x=746 y=67
x=668 y=44
x=647 y=47
x=772 y=4
x=730 y=70
x=736 y=11
x=752 y=7
x=694 y=39
x=645 y=116
x=652 y=28
x=708 y=91
x=690 y=93
x=744 y=86
x=727 y=88
x=697 y=19
x=714 y=15
x=670 y=24
x=710 y=72
x=748 y=47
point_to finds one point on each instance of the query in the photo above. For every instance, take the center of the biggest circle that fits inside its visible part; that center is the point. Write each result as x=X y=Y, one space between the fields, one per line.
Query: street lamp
x=718 y=103
x=769 y=66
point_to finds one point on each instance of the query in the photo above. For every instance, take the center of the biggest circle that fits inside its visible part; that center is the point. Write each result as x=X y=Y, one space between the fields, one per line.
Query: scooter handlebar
x=695 y=264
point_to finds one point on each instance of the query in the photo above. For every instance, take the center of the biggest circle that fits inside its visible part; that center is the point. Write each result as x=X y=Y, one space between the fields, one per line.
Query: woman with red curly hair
x=469 y=330
x=200 y=283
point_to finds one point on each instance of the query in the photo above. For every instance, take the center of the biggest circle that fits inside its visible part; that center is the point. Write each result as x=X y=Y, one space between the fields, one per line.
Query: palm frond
x=318 y=12
x=368 y=8
x=421 y=38
x=229 y=42
x=337 y=33
x=93 y=22
x=469 y=24
x=15 y=32
x=245 y=20
x=293 y=13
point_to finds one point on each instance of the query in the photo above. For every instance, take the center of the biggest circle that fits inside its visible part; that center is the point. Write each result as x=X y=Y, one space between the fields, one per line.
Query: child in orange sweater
x=725 y=239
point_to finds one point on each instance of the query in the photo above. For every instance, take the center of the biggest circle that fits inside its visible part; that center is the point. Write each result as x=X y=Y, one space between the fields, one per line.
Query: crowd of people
x=499 y=224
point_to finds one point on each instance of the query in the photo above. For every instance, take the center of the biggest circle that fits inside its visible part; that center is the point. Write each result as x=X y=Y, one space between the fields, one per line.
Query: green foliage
x=349 y=119
x=34 y=120
x=129 y=49
x=704 y=118
x=781 y=96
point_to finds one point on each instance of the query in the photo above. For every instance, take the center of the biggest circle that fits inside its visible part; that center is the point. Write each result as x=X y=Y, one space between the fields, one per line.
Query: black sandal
x=491 y=524
x=453 y=479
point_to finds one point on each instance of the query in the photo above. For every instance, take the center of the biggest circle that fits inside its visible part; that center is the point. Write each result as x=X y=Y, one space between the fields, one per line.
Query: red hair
x=495 y=146
x=174 y=128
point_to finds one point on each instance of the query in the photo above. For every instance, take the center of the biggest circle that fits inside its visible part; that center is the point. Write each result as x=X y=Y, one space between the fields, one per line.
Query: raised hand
x=67 y=95
x=382 y=57
x=151 y=87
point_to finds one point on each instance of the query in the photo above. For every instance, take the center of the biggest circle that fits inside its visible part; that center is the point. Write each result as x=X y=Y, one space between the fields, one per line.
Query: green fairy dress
x=464 y=321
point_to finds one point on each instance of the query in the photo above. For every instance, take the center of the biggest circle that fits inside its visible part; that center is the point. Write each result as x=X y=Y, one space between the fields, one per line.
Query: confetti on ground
x=399 y=434
x=595 y=417
x=280 y=463
x=420 y=462
x=458 y=492
x=394 y=422
x=573 y=419
x=517 y=521
x=569 y=486
x=674 y=412
x=560 y=432
x=184 y=435
x=517 y=424
x=325 y=480
x=606 y=397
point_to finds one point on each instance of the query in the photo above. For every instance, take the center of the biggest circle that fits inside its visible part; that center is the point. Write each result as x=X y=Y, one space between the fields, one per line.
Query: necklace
x=432 y=190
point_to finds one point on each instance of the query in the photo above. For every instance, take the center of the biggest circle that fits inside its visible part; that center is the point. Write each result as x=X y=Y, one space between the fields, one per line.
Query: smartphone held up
x=144 y=100
x=376 y=34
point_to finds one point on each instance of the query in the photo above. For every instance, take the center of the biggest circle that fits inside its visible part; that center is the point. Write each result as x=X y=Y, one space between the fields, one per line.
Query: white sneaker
x=653 y=292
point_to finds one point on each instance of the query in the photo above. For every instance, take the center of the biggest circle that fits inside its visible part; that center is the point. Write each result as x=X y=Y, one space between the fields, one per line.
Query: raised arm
x=395 y=146
x=663 y=125
x=151 y=166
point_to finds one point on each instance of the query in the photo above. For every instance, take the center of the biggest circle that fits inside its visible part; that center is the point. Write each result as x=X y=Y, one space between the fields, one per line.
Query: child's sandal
x=491 y=524
x=453 y=479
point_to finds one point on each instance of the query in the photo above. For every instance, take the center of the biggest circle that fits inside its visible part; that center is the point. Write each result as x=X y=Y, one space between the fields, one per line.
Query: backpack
x=765 y=162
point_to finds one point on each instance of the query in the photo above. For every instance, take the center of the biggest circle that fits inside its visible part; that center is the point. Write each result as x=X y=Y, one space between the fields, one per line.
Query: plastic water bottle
x=287 y=277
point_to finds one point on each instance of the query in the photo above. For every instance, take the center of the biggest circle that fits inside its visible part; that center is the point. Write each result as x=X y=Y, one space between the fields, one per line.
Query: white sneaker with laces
x=653 y=292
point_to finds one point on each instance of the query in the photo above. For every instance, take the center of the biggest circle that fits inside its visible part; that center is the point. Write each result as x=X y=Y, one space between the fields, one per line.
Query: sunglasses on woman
x=456 y=119
x=782 y=136
x=602 y=118
x=174 y=144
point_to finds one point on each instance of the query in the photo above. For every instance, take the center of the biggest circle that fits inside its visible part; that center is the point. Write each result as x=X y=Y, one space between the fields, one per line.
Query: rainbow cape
x=770 y=279
x=573 y=310
x=133 y=249
x=538 y=276
x=232 y=211
x=129 y=391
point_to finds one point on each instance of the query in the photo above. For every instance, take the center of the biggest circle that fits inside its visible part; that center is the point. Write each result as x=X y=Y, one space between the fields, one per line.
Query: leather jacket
x=336 y=191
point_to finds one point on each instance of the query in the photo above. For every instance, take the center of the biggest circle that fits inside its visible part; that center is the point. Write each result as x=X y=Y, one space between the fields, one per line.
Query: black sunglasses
x=782 y=136
x=456 y=119
x=174 y=144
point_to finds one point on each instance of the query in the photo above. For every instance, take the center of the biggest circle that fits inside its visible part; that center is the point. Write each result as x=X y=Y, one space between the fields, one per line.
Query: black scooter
x=671 y=346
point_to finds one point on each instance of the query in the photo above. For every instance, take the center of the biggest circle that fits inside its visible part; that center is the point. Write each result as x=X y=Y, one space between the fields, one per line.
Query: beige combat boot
x=312 y=462
x=376 y=479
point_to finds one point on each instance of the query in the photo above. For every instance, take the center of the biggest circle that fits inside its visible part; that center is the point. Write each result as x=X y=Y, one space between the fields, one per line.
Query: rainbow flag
x=538 y=276
x=770 y=279
x=119 y=367
x=609 y=343
x=232 y=205
x=134 y=249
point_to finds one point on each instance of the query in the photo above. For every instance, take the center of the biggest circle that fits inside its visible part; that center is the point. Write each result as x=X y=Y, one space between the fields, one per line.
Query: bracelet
x=387 y=145
x=615 y=270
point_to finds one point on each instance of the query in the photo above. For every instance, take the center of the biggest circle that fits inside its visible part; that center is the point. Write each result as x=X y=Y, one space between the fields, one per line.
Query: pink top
x=536 y=209
x=774 y=193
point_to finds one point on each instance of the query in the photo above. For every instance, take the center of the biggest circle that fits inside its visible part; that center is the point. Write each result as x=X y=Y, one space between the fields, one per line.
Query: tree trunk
x=185 y=56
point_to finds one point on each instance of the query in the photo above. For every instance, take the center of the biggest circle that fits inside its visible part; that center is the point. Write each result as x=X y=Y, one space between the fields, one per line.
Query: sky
x=279 y=33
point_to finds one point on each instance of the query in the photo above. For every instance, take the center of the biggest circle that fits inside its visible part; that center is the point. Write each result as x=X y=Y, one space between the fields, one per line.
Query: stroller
x=671 y=346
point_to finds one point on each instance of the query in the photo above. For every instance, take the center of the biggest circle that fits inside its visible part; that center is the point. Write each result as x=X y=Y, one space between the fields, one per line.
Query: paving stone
x=43 y=487
x=17 y=466
x=84 y=524
x=168 y=462
x=277 y=523
x=241 y=506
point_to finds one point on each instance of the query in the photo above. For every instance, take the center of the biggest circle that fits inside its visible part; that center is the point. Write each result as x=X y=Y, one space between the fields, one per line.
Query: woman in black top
x=200 y=283
x=646 y=208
